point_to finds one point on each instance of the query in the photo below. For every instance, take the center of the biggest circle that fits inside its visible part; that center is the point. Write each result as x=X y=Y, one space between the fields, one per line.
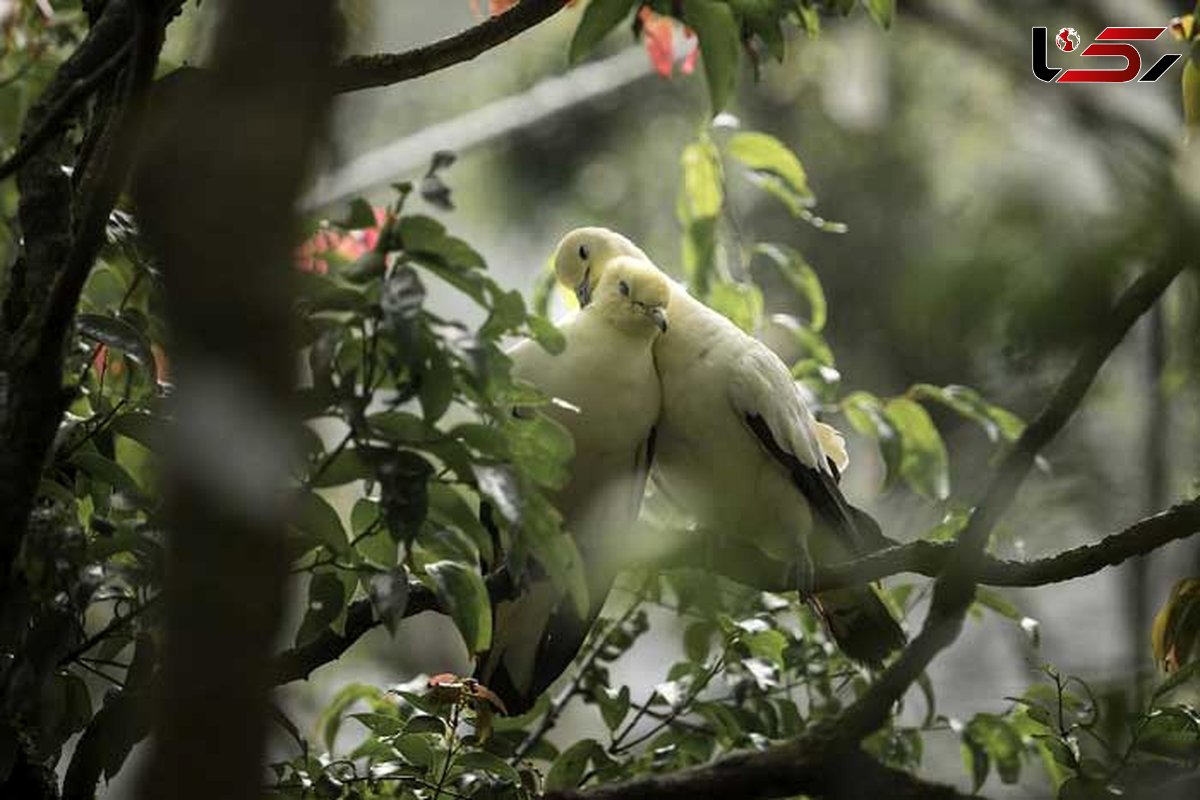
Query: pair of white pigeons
x=653 y=378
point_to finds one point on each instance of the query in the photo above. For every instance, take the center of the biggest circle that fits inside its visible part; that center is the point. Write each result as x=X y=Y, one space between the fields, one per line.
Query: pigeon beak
x=659 y=316
x=583 y=289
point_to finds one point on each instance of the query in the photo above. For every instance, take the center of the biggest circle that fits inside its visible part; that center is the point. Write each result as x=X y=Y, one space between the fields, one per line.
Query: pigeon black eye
x=583 y=251
x=623 y=288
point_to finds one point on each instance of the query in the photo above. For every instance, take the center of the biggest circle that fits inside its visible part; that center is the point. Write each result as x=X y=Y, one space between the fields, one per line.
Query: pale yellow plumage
x=739 y=450
x=612 y=399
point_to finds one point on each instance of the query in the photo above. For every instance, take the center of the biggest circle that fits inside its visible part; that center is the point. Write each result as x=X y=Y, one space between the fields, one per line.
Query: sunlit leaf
x=764 y=153
x=389 y=595
x=801 y=277
x=462 y=593
x=720 y=46
x=599 y=17
x=316 y=520
x=117 y=334
x=740 y=303
x=924 y=464
x=567 y=770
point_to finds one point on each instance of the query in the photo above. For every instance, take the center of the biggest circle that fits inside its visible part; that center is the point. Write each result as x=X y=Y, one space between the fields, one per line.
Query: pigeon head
x=633 y=295
x=583 y=255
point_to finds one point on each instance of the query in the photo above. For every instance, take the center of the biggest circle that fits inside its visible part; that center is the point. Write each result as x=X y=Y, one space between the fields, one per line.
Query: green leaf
x=740 y=303
x=542 y=448
x=402 y=427
x=1178 y=678
x=508 y=312
x=924 y=464
x=313 y=517
x=701 y=195
x=436 y=387
x=117 y=334
x=326 y=600
x=146 y=429
x=403 y=295
x=366 y=268
x=567 y=770
x=360 y=215
x=764 y=153
x=415 y=748
x=600 y=17
x=483 y=761
x=697 y=640
x=882 y=11
x=699 y=253
x=421 y=234
x=547 y=334
x=106 y=471
x=345 y=467
x=614 y=705
x=330 y=720
x=404 y=483
x=812 y=344
x=720 y=45
x=1171 y=733
x=996 y=422
x=448 y=507
x=498 y=484
x=380 y=724
x=378 y=547
x=801 y=277
x=865 y=413
x=1002 y=744
x=768 y=644
x=389 y=596
x=462 y=593
x=976 y=761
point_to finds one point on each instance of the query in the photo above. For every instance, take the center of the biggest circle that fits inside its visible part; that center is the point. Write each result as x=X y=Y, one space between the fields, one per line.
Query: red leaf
x=658 y=34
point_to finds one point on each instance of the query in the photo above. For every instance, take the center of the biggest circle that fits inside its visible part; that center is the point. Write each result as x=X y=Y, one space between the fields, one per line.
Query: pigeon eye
x=583 y=251
x=623 y=288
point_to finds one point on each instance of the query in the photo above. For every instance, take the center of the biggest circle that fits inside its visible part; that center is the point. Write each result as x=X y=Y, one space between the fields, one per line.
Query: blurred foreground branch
x=225 y=161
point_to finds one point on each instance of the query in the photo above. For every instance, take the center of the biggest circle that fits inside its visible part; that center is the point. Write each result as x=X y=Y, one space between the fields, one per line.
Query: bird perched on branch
x=610 y=397
x=739 y=450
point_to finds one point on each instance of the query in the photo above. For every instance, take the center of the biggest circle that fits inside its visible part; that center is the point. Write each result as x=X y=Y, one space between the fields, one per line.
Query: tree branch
x=297 y=663
x=62 y=111
x=747 y=565
x=781 y=771
x=955 y=588
x=384 y=69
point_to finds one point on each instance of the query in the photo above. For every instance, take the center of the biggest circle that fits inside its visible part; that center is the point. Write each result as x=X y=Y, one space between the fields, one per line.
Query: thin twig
x=116 y=624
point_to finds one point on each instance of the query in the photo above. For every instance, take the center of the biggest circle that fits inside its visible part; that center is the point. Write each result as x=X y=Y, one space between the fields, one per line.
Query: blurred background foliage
x=974 y=225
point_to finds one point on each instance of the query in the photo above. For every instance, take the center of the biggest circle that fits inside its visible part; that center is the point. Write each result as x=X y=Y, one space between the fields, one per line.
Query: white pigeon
x=738 y=449
x=612 y=398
